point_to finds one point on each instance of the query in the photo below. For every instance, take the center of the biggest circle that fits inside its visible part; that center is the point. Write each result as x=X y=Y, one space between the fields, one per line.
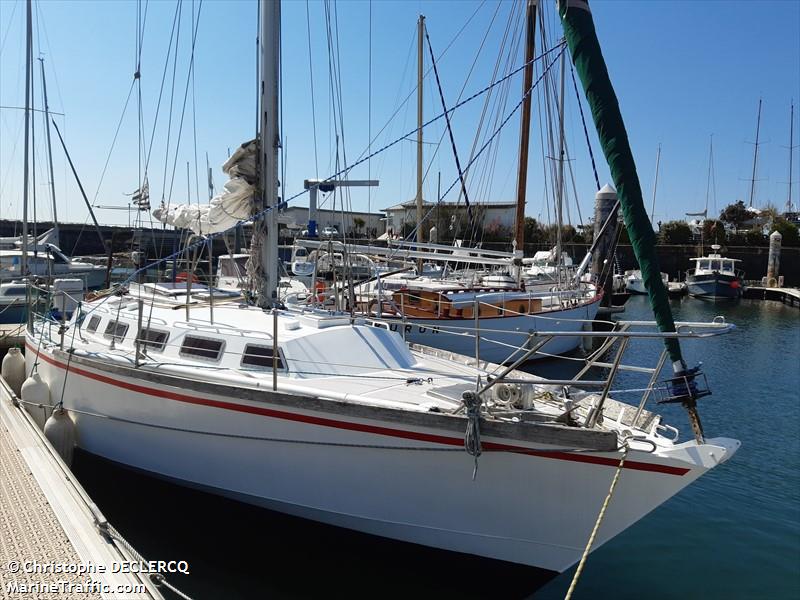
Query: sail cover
x=584 y=47
x=226 y=209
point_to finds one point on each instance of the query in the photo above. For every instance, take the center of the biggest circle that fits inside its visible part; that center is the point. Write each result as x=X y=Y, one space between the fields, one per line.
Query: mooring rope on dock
x=599 y=520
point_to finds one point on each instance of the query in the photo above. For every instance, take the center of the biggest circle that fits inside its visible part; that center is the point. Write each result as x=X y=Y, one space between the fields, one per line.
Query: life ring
x=183 y=276
x=319 y=292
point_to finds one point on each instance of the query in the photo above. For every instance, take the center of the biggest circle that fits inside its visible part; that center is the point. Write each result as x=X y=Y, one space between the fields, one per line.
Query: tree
x=358 y=223
x=676 y=232
x=533 y=231
x=755 y=237
x=713 y=231
x=768 y=215
x=789 y=231
x=735 y=214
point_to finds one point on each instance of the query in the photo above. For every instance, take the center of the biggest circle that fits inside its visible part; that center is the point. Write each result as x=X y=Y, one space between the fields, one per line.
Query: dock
x=54 y=541
x=790 y=296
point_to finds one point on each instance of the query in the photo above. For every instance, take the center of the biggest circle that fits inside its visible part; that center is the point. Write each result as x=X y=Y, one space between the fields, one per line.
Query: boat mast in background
x=789 y=204
x=265 y=234
x=525 y=125
x=50 y=155
x=755 y=156
x=26 y=171
x=560 y=190
x=420 y=38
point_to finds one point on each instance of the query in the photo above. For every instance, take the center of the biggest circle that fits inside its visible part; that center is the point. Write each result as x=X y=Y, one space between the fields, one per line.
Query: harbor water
x=733 y=534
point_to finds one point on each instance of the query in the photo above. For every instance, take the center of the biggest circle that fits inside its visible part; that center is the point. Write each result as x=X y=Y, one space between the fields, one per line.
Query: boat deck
x=46 y=520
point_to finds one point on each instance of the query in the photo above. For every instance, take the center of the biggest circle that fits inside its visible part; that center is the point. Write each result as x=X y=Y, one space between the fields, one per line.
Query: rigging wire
x=260 y=214
x=172 y=100
x=414 y=89
x=161 y=88
x=183 y=108
x=449 y=128
x=583 y=122
x=194 y=119
x=464 y=86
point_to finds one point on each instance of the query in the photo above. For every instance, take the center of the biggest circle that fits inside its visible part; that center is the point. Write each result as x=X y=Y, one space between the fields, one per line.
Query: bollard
x=604 y=202
x=774 y=259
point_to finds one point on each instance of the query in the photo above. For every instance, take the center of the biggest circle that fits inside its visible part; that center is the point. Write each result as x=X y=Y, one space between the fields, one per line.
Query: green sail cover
x=588 y=59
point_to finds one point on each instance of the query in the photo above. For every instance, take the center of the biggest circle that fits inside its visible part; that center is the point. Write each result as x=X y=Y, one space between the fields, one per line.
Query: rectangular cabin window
x=205 y=348
x=153 y=339
x=15 y=291
x=704 y=265
x=94 y=321
x=727 y=265
x=259 y=356
x=116 y=331
x=715 y=265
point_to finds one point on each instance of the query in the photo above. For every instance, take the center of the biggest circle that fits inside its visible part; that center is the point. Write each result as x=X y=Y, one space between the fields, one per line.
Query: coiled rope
x=600 y=516
x=472 y=437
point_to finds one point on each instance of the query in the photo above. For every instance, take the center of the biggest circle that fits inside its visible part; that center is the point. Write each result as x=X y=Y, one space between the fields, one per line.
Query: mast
x=50 y=153
x=791 y=152
x=420 y=36
x=587 y=57
x=655 y=186
x=755 y=155
x=26 y=175
x=265 y=234
x=525 y=125
x=560 y=191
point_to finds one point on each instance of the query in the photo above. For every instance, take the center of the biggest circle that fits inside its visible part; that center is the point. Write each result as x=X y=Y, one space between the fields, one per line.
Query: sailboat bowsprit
x=324 y=416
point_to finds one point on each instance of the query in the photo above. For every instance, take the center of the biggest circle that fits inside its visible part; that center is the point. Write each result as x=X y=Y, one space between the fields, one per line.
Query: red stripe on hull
x=375 y=429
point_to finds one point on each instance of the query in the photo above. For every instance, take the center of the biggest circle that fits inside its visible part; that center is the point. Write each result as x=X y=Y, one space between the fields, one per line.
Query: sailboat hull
x=714 y=286
x=402 y=480
x=501 y=337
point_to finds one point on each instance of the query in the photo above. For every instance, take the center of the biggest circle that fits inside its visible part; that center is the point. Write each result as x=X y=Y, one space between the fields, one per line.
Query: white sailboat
x=333 y=419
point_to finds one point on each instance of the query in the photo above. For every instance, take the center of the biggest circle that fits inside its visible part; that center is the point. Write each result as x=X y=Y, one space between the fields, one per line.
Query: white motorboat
x=50 y=262
x=544 y=266
x=715 y=277
x=634 y=283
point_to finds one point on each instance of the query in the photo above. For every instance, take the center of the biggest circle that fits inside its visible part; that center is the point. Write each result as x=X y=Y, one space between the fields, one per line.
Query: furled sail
x=584 y=47
x=226 y=209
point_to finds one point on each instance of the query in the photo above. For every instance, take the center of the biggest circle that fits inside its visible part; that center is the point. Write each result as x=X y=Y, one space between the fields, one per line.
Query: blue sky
x=682 y=71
